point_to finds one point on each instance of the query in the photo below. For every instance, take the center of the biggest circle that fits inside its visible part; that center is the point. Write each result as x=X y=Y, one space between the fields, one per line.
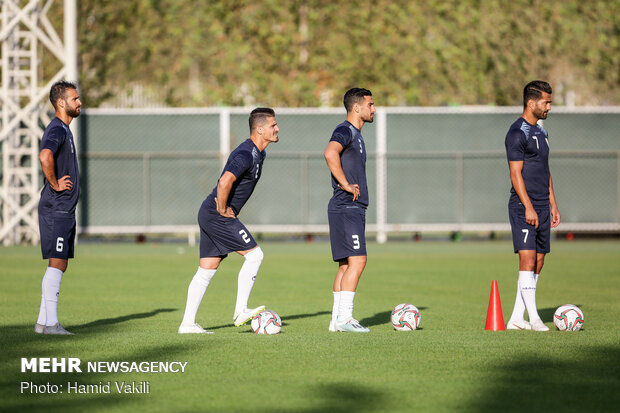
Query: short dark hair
x=534 y=89
x=353 y=96
x=59 y=90
x=258 y=116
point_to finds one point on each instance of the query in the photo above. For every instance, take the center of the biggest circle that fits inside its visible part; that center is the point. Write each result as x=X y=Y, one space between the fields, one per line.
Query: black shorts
x=57 y=235
x=347 y=230
x=524 y=235
x=220 y=235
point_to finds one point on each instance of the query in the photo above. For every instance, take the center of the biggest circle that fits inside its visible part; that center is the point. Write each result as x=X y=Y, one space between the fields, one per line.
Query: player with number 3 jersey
x=532 y=206
x=346 y=159
x=221 y=232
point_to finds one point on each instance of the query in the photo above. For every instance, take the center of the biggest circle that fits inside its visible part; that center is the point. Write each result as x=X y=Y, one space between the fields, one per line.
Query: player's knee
x=358 y=261
x=59 y=264
x=527 y=264
x=527 y=260
x=256 y=255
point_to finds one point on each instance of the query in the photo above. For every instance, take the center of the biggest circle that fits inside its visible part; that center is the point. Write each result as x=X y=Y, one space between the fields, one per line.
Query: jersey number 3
x=356 y=241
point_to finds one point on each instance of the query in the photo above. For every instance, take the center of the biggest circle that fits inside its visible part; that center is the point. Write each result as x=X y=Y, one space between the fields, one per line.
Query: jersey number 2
x=244 y=236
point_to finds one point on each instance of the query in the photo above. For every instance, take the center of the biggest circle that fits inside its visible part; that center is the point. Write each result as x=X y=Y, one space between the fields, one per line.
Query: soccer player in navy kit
x=59 y=197
x=221 y=232
x=532 y=207
x=346 y=158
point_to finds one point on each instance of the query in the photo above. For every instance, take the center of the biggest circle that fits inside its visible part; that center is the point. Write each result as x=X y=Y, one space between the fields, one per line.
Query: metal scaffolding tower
x=25 y=34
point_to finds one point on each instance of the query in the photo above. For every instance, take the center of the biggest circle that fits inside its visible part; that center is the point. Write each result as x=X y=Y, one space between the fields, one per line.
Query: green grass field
x=125 y=301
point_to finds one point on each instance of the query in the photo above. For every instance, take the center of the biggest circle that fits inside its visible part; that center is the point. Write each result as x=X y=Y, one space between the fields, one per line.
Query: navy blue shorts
x=57 y=235
x=347 y=233
x=524 y=235
x=220 y=235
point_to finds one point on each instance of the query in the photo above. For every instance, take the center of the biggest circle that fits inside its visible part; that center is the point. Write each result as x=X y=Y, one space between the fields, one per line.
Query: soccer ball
x=406 y=317
x=266 y=322
x=568 y=317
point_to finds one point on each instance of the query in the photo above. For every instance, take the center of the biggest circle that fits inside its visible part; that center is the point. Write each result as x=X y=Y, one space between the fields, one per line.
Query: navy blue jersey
x=530 y=144
x=59 y=139
x=353 y=160
x=246 y=163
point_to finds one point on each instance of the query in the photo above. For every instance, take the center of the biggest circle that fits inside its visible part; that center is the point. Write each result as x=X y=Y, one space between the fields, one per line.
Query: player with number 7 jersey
x=532 y=207
x=221 y=232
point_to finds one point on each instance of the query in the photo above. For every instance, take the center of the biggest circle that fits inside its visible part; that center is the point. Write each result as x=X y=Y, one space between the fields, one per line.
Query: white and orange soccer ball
x=266 y=322
x=568 y=317
x=406 y=317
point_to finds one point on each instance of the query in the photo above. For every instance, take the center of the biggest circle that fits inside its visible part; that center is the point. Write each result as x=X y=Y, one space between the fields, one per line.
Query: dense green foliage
x=124 y=302
x=307 y=52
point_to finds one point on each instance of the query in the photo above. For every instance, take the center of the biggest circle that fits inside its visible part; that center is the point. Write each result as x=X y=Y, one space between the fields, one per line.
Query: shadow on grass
x=284 y=318
x=287 y=318
x=339 y=398
x=580 y=379
x=116 y=320
x=381 y=318
x=18 y=340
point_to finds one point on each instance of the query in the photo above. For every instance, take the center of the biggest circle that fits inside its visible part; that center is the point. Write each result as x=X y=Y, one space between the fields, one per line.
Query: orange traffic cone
x=495 y=317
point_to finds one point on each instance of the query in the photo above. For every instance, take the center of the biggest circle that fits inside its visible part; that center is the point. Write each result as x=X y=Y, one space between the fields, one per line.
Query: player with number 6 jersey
x=221 y=232
x=346 y=159
x=59 y=197
x=532 y=207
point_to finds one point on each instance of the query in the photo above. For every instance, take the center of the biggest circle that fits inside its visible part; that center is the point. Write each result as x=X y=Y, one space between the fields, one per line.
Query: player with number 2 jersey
x=221 y=232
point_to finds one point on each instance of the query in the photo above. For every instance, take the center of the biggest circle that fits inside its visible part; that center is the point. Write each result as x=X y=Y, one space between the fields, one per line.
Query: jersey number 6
x=59 y=244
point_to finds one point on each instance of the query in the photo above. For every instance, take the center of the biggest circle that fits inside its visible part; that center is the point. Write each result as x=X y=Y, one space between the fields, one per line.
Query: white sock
x=195 y=292
x=519 y=309
x=345 y=307
x=336 y=306
x=247 y=276
x=51 y=291
x=42 y=316
x=527 y=282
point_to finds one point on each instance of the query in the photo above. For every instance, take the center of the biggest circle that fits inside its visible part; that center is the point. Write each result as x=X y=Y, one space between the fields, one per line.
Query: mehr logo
x=51 y=365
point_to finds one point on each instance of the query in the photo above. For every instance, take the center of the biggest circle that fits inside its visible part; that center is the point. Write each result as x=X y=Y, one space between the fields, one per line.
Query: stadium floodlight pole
x=224 y=136
x=71 y=71
x=381 y=175
x=25 y=31
x=71 y=43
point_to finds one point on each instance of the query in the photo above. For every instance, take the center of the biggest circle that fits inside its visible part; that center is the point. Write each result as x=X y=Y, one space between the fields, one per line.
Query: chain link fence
x=429 y=169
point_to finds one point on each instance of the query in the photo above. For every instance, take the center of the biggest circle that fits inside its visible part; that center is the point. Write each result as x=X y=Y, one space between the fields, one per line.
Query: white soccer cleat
x=518 y=325
x=246 y=315
x=193 y=329
x=538 y=325
x=352 y=326
x=332 y=326
x=39 y=328
x=57 y=330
